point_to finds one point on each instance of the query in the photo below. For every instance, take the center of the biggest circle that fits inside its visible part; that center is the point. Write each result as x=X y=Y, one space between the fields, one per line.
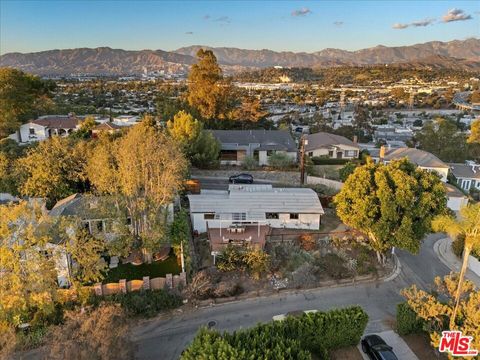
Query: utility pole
x=182 y=258
x=302 y=159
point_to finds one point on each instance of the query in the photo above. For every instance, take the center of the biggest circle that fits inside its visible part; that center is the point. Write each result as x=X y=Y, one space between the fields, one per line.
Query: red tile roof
x=58 y=122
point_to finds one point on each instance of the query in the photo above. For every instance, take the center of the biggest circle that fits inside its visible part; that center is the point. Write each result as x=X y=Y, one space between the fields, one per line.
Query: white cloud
x=455 y=15
x=399 y=26
x=417 y=23
x=301 y=12
x=424 y=22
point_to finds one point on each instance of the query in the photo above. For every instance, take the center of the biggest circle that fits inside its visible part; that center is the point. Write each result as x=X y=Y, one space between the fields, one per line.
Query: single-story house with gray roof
x=331 y=146
x=467 y=175
x=423 y=159
x=259 y=144
x=244 y=214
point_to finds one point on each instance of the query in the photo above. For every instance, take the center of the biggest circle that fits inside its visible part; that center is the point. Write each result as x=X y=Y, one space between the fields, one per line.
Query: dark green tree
x=393 y=204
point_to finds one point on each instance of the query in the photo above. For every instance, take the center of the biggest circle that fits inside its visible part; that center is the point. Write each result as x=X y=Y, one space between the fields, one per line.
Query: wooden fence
x=123 y=286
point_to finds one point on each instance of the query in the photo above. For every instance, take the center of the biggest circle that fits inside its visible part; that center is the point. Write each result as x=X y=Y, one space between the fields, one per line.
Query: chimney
x=382 y=153
x=355 y=139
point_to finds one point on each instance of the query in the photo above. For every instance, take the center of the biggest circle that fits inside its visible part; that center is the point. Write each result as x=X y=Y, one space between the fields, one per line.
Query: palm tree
x=468 y=225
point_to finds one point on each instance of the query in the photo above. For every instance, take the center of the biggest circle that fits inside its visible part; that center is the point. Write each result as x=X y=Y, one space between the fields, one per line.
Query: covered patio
x=239 y=234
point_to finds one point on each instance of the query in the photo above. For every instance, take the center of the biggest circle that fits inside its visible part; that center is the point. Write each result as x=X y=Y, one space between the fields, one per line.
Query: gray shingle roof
x=323 y=139
x=257 y=200
x=464 y=171
x=416 y=156
x=271 y=139
x=83 y=206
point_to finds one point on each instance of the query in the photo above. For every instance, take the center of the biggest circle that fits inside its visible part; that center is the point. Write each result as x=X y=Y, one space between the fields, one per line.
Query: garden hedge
x=317 y=160
x=407 y=320
x=293 y=338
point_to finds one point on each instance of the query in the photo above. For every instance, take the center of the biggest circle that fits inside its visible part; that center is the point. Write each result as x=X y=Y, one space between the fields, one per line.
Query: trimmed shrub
x=249 y=163
x=293 y=338
x=146 y=303
x=457 y=246
x=407 y=320
x=280 y=161
x=318 y=160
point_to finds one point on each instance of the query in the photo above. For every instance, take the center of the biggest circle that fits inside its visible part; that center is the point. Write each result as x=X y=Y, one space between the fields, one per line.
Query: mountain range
x=461 y=54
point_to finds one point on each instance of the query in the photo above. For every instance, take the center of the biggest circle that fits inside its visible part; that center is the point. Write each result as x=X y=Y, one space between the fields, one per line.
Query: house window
x=31 y=131
x=129 y=221
x=466 y=184
x=270 y=152
x=239 y=216
x=271 y=215
x=330 y=153
x=99 y=226
x=209 y=216
x=310 y=153
x=293 y=216
x=228 y=155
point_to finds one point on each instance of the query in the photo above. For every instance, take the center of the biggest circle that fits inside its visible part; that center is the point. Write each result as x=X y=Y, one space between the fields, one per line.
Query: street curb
x=441 y=257
x=389 y=277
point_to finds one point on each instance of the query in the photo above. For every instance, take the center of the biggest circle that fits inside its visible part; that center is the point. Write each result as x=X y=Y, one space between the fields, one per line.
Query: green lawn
x=137 y=272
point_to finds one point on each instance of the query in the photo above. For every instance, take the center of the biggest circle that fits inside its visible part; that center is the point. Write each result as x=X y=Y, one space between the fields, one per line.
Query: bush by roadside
x=318 y=160
x=407 y=320
x=145 y=303
x=293 y=338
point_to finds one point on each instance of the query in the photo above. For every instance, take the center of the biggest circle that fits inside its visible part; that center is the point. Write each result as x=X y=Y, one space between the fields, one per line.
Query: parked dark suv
x=377 y=349
x=241 y=179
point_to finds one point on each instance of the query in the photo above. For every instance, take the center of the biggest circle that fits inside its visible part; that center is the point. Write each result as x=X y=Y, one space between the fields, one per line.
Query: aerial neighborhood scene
x=239 y=180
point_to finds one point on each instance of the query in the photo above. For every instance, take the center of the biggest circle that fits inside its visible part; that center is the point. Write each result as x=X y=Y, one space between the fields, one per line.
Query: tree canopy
x=53 y=170
x=393 y=204
x=443 y=139
x=21 y=96
x=144 y=169
x=208 y=92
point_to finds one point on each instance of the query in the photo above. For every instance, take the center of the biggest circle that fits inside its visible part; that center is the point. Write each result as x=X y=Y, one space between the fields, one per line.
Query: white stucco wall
x=341 y=148
x=304 y=221
x=474 y=264
x=443 y=172
x=26 y=137
x=455 y=203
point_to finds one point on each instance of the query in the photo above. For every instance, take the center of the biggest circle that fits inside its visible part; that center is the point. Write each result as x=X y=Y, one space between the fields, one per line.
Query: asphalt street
x=166 y=338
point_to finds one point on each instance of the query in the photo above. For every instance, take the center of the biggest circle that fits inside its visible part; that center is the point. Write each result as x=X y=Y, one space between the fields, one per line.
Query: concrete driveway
x=400 y=347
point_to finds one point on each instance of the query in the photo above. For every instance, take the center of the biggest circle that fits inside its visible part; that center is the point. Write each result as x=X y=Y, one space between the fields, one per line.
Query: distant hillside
x=102 y=60
x=467 y=49
x=464 y=54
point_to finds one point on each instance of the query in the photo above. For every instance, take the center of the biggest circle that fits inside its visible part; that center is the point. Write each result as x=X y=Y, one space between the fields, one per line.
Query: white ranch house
x=45 y=127
x=293 y=208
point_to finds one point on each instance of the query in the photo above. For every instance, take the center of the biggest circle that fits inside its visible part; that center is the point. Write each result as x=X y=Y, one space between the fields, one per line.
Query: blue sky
x=308 y=26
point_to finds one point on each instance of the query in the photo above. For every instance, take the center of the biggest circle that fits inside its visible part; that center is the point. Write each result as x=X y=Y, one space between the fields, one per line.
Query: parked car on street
x=377 y=349
x=241 y=179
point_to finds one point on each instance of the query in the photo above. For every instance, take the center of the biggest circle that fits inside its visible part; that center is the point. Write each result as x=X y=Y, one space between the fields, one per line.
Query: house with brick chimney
x=423 y=159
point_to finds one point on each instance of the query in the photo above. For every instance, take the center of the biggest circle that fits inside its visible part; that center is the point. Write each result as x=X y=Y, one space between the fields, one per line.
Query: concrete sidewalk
x=400 y=347
x=443 y=249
